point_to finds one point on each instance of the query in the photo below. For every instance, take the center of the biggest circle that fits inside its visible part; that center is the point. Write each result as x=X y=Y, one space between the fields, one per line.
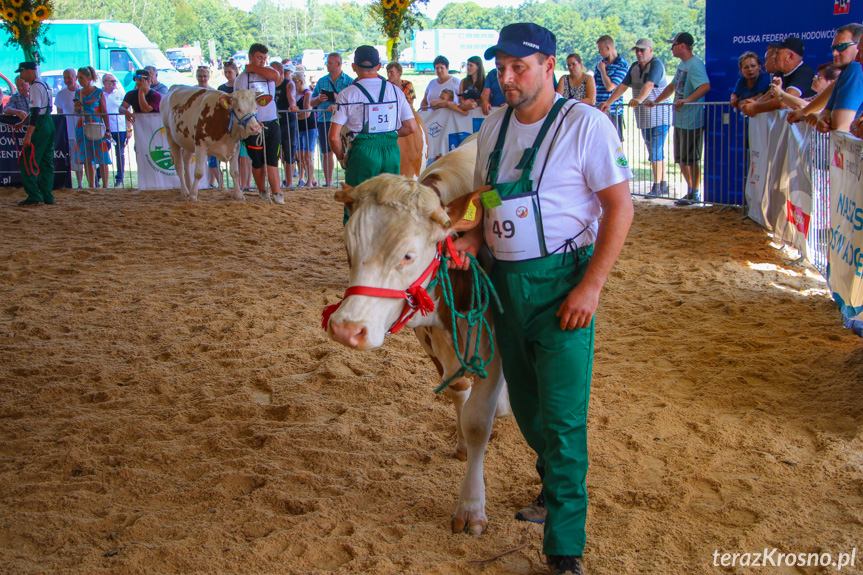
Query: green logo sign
x=159 y=154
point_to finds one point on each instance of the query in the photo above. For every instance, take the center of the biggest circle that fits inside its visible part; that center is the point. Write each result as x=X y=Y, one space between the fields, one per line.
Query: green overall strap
x=529 y=156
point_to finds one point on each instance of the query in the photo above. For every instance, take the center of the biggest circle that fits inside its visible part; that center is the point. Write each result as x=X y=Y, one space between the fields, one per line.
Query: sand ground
x=169 y=403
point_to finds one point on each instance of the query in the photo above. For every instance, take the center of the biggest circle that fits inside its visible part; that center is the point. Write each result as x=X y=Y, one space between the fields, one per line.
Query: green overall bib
x=372 y=152
x=547 y=369
x=39 y=188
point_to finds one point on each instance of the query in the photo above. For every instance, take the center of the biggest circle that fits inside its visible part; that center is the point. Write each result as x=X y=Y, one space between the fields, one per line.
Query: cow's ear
x=465 y=212
x=225 y=101
x=344 y=196
x=264 y=100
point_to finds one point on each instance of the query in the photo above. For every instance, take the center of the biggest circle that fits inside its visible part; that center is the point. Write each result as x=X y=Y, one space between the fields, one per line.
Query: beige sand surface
x=169 y=403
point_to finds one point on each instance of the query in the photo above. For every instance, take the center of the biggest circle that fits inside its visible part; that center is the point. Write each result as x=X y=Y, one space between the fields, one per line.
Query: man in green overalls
x=555 y=166
x=374 y=123
x=37 y=154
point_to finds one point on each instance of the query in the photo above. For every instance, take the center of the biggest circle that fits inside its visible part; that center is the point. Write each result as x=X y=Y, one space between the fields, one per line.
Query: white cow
x=392 y=237
x=208 y=123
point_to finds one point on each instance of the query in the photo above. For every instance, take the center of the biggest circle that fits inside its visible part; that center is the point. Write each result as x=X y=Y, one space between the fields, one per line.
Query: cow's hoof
x=472 y=526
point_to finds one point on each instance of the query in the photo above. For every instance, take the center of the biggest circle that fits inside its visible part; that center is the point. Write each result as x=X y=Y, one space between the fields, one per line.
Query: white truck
x=455 y=45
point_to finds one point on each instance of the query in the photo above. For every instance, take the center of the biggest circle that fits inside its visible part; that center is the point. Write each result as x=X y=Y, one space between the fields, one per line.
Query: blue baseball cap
x=524 y=39
x=366 y=57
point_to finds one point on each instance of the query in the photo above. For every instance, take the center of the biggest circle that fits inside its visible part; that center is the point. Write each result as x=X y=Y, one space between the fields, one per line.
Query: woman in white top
x=443 y=81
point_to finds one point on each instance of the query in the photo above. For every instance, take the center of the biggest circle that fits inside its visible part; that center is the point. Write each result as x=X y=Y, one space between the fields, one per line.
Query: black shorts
x=687 y=146
x=270 y=146
x=290 y=137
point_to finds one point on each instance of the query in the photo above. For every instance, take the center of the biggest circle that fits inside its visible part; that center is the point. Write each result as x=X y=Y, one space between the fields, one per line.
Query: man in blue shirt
x=492 y=96
x=610 y=71
x=324 y=99
x=846 y=101
x=689 y=85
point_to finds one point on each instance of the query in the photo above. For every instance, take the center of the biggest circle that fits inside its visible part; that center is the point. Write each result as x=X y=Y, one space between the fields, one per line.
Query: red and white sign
x=841 y=7
x=798 y=218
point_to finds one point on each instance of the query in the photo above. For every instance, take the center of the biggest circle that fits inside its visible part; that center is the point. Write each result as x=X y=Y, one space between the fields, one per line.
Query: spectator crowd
x=100 y=115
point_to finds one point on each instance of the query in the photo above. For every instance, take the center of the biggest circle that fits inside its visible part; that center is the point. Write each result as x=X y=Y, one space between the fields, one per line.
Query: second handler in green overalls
x=555 y=166
x=37 y=163
x=376 y=113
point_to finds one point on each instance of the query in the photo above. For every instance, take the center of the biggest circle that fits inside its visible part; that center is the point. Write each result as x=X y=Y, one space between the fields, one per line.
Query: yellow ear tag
x=470 y=215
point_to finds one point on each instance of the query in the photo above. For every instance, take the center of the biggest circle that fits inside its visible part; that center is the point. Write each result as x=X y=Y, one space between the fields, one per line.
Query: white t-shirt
x=249 y=81
x=65 y=105
x=112 y=106
x=351 y=112
x=586 y=157
x=434 y=89
x=40 y=97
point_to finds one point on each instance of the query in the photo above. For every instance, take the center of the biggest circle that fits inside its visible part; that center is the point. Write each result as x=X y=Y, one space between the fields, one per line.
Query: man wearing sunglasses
x=846 y=101
x=142 y=99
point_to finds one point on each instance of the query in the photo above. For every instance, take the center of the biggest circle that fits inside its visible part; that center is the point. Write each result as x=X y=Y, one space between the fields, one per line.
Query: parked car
x=182 y=64
x=54 y=79
x=240 y=59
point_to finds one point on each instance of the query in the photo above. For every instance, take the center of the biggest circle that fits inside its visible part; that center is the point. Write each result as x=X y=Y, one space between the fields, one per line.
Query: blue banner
x=738 y=26
x=10 y=143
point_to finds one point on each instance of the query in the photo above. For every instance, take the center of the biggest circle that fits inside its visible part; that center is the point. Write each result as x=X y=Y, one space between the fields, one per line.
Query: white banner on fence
x=795 y=188
x=779 y=187
x=845 y=272
x=156 y=169
x=767 y=150
x=447 y=129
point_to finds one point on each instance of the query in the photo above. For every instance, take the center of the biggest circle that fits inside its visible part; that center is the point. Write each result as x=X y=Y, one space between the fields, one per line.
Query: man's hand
x=576 y=311
x=650 y=104
x=855 y=127
x=825 y=123
x=486 y=107
x=605 y=106
x=601 y=66
x=796 y=116
x=678 y=104
x=19 y=125
x=749 y=109
x=634 y=103
x=469 y=243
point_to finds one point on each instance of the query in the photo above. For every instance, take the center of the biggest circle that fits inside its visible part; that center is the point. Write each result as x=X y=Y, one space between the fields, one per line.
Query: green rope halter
x=480 y=297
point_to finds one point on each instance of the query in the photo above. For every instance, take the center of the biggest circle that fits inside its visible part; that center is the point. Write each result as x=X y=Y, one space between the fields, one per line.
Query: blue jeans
x=120 y=153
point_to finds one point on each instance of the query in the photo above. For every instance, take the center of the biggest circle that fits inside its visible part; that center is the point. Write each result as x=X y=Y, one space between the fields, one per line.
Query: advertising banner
x=156 y=169
x=10 y=143
x=447 y=129
x=845 y=270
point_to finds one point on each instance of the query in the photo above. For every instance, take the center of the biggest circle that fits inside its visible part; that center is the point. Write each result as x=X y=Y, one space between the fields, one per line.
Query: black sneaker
x=535 y=512
x=565 y=565
x=688 y=199
x=655 y=190
x=49 y=202
x=663 y=189
x=28 y=203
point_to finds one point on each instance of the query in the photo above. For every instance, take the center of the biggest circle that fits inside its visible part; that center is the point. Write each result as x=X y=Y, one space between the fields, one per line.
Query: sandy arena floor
x=169 y=403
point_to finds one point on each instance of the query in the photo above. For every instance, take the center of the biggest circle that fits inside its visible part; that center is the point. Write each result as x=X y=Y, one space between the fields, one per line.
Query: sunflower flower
x=27 y=18
x=9 y=15
x=41 y=13
x=16 y=3
x=387 y=4
x=15 y=32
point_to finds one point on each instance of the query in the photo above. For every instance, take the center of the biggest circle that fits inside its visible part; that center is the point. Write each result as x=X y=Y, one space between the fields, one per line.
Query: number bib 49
x=510 y=229
x=381 y=118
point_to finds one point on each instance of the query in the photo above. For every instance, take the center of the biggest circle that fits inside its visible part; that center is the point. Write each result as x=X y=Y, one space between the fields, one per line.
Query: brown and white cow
x=208 y=123
x=391 y=238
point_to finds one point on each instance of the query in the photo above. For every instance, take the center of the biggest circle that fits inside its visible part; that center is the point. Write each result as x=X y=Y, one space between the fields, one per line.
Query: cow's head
x=243 y=105
x=391 y=238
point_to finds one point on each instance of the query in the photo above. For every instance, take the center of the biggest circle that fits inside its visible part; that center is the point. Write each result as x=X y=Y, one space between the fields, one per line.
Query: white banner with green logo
x=155 y=165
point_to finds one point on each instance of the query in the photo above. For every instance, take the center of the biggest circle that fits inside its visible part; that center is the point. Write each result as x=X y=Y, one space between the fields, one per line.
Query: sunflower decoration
x=395 y=16
x=22 y=21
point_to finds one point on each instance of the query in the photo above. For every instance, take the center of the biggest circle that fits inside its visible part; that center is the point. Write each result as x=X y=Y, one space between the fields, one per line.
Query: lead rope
x=481 y=295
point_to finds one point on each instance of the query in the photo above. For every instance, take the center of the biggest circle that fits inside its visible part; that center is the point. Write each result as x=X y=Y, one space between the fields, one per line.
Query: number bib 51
x=381 y=117
x=510 y=229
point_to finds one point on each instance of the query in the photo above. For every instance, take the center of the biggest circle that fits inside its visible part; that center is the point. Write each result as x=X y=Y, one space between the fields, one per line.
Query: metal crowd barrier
x=818 y=239
x=313 y=161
